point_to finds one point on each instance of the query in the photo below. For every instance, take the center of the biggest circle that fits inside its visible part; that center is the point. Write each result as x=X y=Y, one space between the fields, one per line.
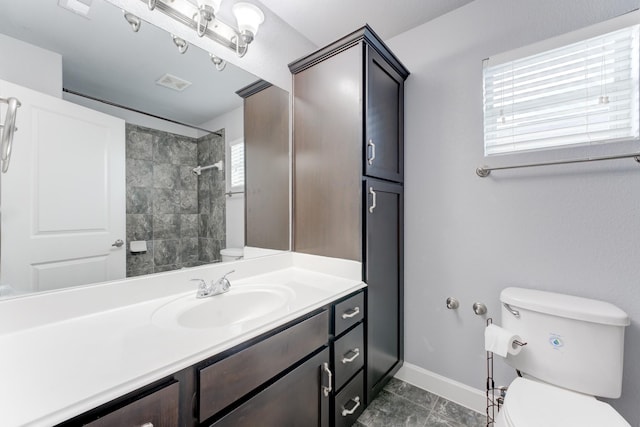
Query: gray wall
x=572 y=229
x=166 y=204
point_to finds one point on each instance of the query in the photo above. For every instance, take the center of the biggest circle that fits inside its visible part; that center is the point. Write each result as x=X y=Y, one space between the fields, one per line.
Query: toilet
x=574 y=352
x=231 y=254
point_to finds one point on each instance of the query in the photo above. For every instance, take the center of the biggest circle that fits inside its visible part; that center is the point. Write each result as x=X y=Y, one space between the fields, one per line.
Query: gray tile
x=165 y=175
x=139 y=227
x=412 y=393
x=161 y=268
x=209 y=250
x=436 y=420
x=138 y=200
x=139 y=144
x=140 y=263
x=453 y=411
x=187 y=179
x=166 y=226
x=189 y=202
x=165 y=148
x=390 y=410
x=187 y=152
x=139 y=173
x=166 y=201
x=189 y=250
x=188 y=225
x=165 y=252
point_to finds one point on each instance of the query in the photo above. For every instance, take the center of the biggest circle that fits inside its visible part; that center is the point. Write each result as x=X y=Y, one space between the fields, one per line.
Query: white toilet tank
x=572 y=342
x=231 y=254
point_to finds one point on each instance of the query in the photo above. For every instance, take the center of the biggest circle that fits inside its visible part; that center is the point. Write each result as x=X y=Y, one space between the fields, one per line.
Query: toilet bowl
x=531 y=403
x=231 y=254
x=573 y=353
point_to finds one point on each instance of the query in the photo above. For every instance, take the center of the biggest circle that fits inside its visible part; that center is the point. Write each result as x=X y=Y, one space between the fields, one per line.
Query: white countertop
x=61 y=365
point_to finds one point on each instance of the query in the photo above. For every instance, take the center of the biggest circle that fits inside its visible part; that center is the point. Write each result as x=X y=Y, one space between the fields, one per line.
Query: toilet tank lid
x=568 y=306
x=232 y=251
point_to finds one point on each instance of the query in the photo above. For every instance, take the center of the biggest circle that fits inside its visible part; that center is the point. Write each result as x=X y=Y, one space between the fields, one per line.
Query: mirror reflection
x=162 y=188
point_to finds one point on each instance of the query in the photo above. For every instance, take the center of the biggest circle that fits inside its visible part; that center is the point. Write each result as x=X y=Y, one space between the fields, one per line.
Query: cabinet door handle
x=356 y=401
x=327 y=389
x=356 y=353
x=373 y=199
x=147 y=425
x=373 y=152
x=351 y=313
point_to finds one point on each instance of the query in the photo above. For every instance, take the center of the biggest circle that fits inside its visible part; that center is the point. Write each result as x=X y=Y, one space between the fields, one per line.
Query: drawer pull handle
x=327 y=389
x=356 y=353
x=147 y=425
x=373 y=152
x=373 y=200
x=356 y=401
x=351 y=313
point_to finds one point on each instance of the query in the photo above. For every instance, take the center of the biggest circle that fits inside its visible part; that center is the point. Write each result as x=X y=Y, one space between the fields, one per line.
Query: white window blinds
x=581 y=93
x=236 y=174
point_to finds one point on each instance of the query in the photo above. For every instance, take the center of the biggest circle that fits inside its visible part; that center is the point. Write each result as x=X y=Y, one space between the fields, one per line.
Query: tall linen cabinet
x=348 y=101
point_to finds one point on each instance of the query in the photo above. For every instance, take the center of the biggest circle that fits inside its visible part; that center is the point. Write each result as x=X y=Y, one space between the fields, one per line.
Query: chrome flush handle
x=373 y=152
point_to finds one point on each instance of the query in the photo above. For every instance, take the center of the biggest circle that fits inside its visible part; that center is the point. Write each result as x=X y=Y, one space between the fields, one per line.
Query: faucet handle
x=203 y=288
x=224 y=282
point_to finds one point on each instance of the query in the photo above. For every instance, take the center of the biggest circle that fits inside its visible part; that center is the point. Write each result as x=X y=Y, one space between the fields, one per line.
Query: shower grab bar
x=485 y=171
x=8 y=129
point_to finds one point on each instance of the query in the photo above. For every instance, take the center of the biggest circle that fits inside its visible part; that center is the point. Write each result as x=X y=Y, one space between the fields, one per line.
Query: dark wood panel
x=327 y=156
x=349 y=403
x=348 y=355
x=159 y=408
x=296 y=400
x=266 y=138
x=228 y=380
x=383 y=274
x=347 y=313
x=384 y=119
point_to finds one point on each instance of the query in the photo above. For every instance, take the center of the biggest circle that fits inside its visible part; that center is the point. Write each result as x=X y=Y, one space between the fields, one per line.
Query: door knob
x=118 y=243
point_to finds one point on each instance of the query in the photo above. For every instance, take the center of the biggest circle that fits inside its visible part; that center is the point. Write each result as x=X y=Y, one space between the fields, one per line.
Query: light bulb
x=249 y=18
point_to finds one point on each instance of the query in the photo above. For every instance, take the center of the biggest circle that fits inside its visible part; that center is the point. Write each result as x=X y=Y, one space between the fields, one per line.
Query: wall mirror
x=180 y=127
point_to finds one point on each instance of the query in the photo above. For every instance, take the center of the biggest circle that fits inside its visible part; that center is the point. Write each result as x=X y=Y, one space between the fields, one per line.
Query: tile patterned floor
x=403 y=405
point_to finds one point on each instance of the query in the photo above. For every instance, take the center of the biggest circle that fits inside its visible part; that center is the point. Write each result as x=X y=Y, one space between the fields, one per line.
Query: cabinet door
x=296 y=400
x=384 y=119
x=383 y=274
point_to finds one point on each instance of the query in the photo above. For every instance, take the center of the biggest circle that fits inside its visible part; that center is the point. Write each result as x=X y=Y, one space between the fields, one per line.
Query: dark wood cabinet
x=266 y=145
x=384 y=119
x=296 y=400
x=348 y=102
x=383 y=274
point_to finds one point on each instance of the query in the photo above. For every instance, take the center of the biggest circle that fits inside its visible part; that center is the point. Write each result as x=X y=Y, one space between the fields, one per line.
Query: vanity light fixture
x=201 y=16
x=218 y=62
x=133 y=20
x=181 y=44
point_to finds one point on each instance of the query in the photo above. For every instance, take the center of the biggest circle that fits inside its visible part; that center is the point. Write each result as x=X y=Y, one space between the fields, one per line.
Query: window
x=235 y=176
x=576 y=94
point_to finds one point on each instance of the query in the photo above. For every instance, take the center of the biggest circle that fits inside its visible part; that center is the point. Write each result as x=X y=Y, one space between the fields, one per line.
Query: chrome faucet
x=218 y=287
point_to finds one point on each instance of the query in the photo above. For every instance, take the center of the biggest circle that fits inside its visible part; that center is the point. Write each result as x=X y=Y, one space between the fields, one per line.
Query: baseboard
x=454 y=391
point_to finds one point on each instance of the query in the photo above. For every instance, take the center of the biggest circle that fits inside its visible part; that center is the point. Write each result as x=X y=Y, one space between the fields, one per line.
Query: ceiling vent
x=172 y=82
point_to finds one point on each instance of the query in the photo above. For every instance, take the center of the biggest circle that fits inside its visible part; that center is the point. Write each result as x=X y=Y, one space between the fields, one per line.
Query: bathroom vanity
x=280 y=346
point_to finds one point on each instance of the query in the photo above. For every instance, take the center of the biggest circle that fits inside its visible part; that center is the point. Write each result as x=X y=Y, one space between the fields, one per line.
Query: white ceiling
x=103 y=58
x=324 y=21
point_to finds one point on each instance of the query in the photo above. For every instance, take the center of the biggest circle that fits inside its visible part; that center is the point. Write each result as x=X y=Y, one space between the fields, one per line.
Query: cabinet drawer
x=295 y=400
x=350 y=402
x=348 y=313
x=159 y=409
x=229 y=379
x=348 y=355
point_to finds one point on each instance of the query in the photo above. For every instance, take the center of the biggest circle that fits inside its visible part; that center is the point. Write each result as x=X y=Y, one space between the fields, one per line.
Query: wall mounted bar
x=485 y=171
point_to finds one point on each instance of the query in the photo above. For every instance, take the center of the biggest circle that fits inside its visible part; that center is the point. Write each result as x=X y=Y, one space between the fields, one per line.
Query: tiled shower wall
x=163 y=207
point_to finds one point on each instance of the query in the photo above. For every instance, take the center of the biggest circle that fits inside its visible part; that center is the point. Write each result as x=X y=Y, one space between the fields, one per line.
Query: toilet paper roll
x=500 y=341
x=138 y=246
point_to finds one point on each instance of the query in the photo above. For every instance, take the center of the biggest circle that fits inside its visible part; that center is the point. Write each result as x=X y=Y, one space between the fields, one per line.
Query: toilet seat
x=531 y=403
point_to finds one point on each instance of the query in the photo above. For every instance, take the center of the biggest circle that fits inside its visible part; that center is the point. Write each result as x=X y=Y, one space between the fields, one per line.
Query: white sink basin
x=240 y=306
